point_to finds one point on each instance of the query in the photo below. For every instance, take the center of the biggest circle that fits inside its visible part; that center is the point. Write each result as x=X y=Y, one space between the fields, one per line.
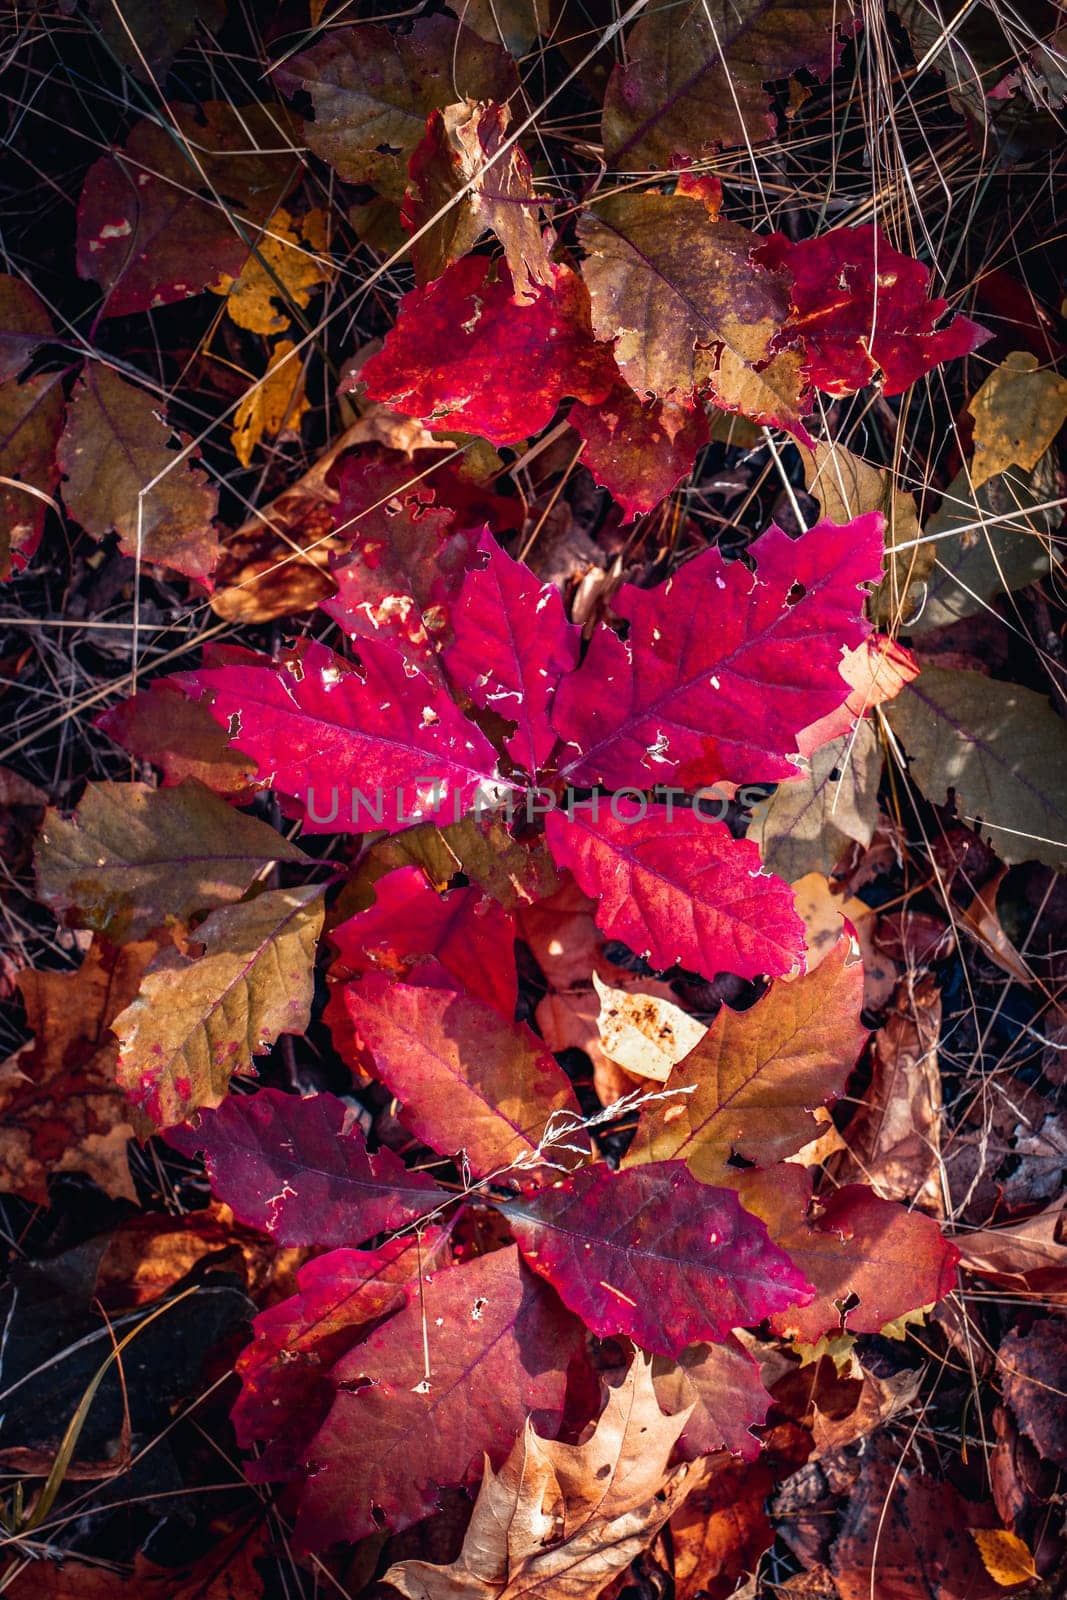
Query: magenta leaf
x=468 y=1080
x=861 y=308
x=382 y=747
x=447 y=1380
x=464 y=354
x=723 y=667
x=512 y=646
x=300 y=1169
x=467 y=932
x=653 y=1254
x=679 y=889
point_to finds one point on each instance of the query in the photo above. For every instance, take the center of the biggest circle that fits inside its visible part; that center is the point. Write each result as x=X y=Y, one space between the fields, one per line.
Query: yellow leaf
x=1004 y=1555
x=1017 y=413
x=281 y=268
x=269 y=406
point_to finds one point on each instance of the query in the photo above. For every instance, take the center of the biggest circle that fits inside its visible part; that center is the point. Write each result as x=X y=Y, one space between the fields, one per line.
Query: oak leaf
x=869 y=1259
x=299 y=1168
x=468 y=1080
x=564 y=1520
x=511 y=647
x=199 y=1019
x=679 y=890
x=721 y=686
x=350 y=746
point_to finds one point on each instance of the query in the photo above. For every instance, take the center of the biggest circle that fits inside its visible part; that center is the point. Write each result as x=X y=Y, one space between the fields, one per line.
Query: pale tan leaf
x=643 y=1033
x=807 y=822
x=199 y=1019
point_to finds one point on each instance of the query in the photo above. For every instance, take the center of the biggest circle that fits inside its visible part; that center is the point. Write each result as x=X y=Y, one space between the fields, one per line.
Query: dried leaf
x=62 y=1109
x=643 y=1033
x=273 y=405
x=1000 y=748
x=132 y=858
x=121 y=473
x=31 y=420
x=285 y=265
x=1005 y=1556
x=807 y=823
x=750 y=1087
x=566 y=1519
x=1017 y=413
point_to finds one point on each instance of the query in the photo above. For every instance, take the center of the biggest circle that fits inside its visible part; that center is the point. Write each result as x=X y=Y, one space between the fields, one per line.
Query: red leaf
x=722 y=1384
x=861 y=307
x=653 y=1254
x=639 y=450
x=146 y=235
x=678 y=889
x=467 y=1079
x=406 y=562
x=722 y=668
x=404 y=1426
x=178 y=735
x=463 y=354
x=892 y=1260
x=300 y=1169
x=323 y=732
x=512 y=646
x=467 y=932
x=285 y=1386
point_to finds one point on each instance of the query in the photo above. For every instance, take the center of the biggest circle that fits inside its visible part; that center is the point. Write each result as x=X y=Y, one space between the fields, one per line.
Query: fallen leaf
x=566 y=1519
x=286 y=264
x=62 y=1109
x=642 y=1033
x=1031 y=1367
x=132 y=858
x=1017 y=412
x=121 y=473
x=199 y=1019
x=31 y=421
x=273 y=404
x=1000 y=748
x=807 y=823
x=1005 y=1556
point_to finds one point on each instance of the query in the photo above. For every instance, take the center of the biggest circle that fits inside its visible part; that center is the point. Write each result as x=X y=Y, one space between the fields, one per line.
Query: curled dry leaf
x=566 y=1519
x=62 y=1109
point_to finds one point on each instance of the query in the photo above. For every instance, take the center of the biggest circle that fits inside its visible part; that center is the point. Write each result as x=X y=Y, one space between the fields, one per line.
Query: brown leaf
x=447 y=169
x=114 y=447
x=132 y=858
x=894 y=1138
x=1033 y=1374
x=31 y=418
x=907 y=1537
x=564 y=1520
x=62 y=1109
x=1017 y=412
